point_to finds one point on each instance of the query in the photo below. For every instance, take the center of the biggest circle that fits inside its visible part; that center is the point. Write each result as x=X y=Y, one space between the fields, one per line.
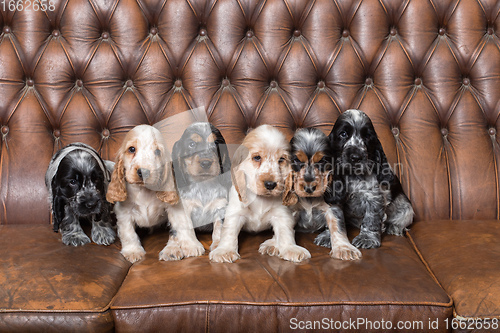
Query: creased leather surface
x=390 y=283
x=44 y=283
x=465 y=258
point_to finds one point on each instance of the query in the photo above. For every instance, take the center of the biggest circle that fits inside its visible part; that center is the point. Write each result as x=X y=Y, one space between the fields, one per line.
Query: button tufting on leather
x=321 y=84
x=203 y=32
x=5 y=130
x=442 y=31
x=250 y=34
x=56 y=33
x=273 y=84
x=105 y=35
x=345 y=33
x=466 y=81
x=297 y=33
x=418 y=81
x=105 y=133
x=57 y=133
x=6 y=30
x=178 y=83
x=394 y=32
x=444 y=131
x=79 y=83
x=30 y=82
x=225 y=82
x=490 y=31
x=368 y=81
x=129 y=83
x=395 y=131
x=153 y=31
x=492 y=131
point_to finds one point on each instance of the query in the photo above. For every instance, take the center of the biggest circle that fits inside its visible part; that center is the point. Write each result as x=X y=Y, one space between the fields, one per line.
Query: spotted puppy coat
x=76 y=179
x=312 y=172
x=143 y=187
x=201 y=166
x=365 y=185
x=262 y=185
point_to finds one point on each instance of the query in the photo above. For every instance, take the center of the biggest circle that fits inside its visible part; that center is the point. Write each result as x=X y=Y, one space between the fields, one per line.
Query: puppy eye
x=158 y=152
x=131 y=149
x=192 y=144
x=282 y=160
x=73 y=182
x=256 y=158
x=343 y=134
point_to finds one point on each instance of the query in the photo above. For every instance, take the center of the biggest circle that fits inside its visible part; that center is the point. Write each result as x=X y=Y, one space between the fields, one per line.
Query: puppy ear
x=289 y=196
x=180 y=177
x=58 y=206
x=170 y=194
x=238 y=176
x=384 y=172
x=222 y=152
x=117 y=188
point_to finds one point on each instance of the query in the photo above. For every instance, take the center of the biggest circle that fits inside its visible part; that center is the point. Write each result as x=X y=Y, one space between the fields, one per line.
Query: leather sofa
x=426 y=71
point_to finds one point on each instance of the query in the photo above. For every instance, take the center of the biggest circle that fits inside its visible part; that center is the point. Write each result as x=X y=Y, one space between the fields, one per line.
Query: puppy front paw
x=323 y=239
x=134 y=255
x=192 y=249
x=103 y=235
x=392 y=229
x=171 y=252
x=295 y=253
x=367 y=241
x=345 y=252
x=269 y=248
x=223 y=255
x=75 y=239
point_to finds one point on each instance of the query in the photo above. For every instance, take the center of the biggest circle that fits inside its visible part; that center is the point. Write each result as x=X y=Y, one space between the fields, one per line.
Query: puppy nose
x=206 y=164
x=355 y=157
x=91 y=202
x=143 y=173
x=310 y=189
x=269 y=185
x=308 y=177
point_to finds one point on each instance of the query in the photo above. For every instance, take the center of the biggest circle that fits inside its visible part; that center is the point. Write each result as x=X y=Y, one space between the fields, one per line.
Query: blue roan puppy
x=77 y=179
x=312 y=172
x=202 y=172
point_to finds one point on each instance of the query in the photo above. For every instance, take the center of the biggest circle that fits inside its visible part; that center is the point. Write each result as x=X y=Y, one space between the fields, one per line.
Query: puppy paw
x=102 y=235
x=192 y=249
x=171 y=252
x=294 y=253
x=366 y=241
x=75 y=239
x=223 y=255
x=134 y=255
x=269 y=248
x=345 y=252
x=392 y=229
x=323 y=239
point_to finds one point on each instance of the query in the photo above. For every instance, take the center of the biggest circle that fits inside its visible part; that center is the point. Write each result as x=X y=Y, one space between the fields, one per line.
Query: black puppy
x=365 y=185
x=201 y=166
x=77 y=179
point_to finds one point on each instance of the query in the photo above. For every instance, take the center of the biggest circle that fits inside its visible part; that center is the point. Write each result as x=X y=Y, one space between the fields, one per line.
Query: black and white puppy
x=312 y=173
x=202 y=172
x=76 y=179
x=366 y=186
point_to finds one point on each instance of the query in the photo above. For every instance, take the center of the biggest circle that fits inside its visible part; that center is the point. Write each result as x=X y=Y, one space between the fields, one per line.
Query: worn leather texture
x=426 y=71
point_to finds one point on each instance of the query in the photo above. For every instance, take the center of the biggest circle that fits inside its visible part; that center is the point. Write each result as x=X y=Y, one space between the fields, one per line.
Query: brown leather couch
x=426 y=71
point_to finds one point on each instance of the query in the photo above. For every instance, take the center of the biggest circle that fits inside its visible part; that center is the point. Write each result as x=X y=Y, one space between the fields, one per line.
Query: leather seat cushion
x=465 y=258
x=263 y=293
x=48 y=286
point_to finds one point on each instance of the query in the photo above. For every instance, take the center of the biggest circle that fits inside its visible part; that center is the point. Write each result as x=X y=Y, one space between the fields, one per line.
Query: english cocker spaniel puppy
x=261 y=188
x=201 y=166
x=312 y=173
x=76 y=179
x=370 y=192
x=143 y=187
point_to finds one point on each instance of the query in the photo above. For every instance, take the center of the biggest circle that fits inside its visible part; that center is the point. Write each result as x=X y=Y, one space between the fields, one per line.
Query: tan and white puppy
x=258 y=198
x=143 y=187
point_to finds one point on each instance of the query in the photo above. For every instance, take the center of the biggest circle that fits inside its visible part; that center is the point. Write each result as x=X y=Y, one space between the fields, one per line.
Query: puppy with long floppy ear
x=312 y=174
x=261 y=188
x=143 y=187
x=201 y=165
x=365 y=185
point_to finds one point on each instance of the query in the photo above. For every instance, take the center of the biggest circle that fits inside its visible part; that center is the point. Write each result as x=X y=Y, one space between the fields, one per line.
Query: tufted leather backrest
x=426 y=71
